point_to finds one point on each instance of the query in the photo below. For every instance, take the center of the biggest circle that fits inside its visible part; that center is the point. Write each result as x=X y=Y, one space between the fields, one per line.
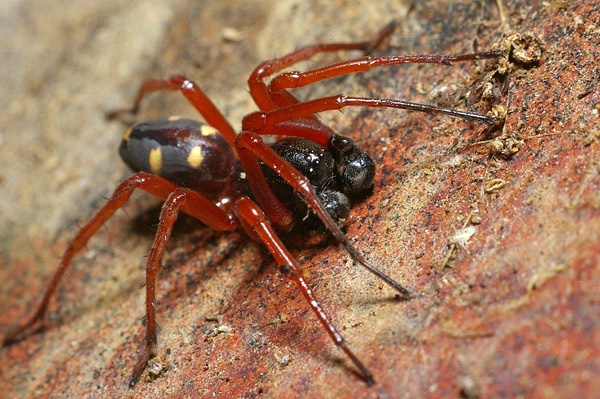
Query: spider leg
x=195 y=204
x=264 y=195
x=195 y=96
x=119 y=197
x=258 y=121
x=262 y=93
x=251 y=147
x=255 y=223
x=291 y=80
x=147 y=182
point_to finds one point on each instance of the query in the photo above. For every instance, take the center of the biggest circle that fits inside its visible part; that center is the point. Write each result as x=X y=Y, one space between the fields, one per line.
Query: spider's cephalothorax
x=335 y=174
x=229 y=180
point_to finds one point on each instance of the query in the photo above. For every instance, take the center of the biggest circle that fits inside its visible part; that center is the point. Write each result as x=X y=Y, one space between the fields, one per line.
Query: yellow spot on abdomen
x=155 y=160
x=195 y=157
x=127 y=134
x=206 y=130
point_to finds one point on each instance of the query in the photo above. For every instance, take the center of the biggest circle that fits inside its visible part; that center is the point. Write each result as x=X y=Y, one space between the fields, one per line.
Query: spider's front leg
x=255 y=223
x=262 y=122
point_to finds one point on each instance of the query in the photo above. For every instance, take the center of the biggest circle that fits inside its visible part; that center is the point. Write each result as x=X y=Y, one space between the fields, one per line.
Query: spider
x=229 y=180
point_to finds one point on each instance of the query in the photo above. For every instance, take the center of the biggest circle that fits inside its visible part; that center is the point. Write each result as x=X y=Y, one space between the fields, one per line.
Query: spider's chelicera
x=229 y=180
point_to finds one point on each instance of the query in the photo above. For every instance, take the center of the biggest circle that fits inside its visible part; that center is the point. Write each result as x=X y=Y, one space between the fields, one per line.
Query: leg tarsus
x=293 y=273
x=141 y=365
x=20 y=333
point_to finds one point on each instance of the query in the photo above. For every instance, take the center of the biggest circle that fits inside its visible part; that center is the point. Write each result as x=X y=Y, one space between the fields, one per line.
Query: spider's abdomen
x=187 y=152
